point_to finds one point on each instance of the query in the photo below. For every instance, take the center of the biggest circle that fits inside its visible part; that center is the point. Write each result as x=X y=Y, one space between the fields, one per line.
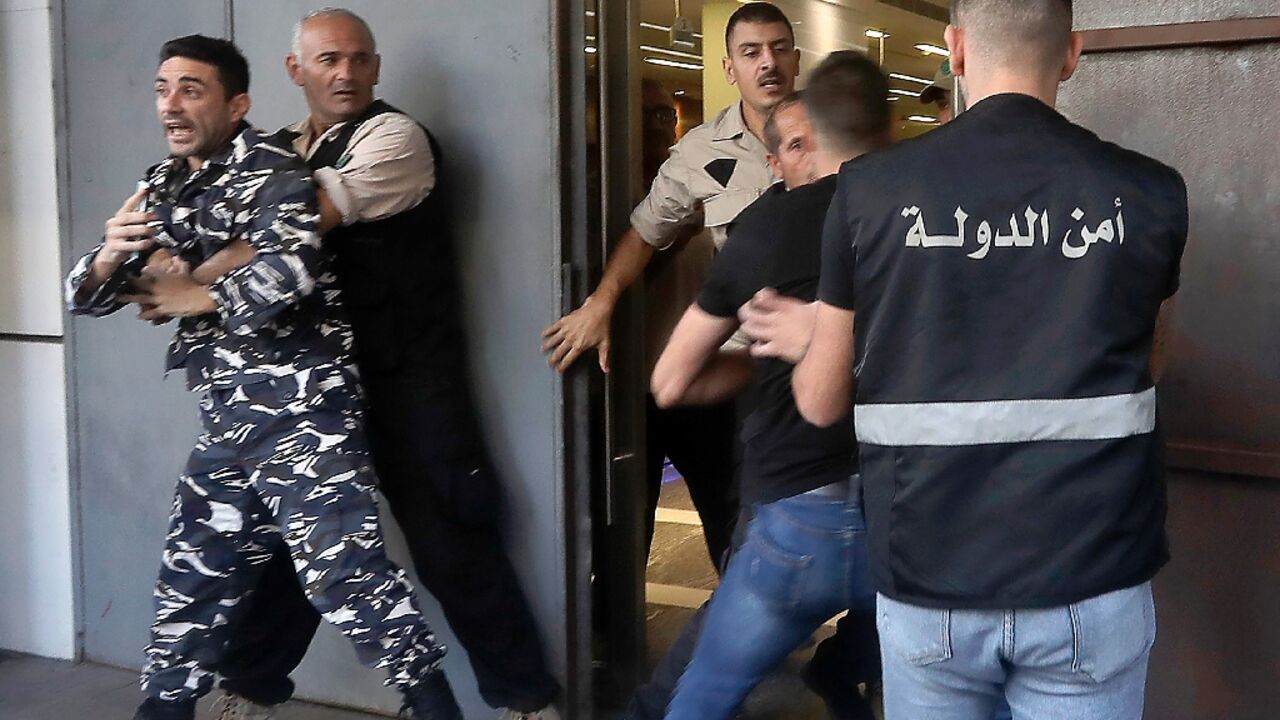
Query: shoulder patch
x=721 y=170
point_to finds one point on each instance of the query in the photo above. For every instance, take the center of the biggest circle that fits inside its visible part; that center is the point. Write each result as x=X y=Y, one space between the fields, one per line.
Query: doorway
x=641 y=597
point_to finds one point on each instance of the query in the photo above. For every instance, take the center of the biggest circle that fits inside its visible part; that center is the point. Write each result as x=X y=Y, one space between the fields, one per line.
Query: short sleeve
x=835 y=285
x=671 y=201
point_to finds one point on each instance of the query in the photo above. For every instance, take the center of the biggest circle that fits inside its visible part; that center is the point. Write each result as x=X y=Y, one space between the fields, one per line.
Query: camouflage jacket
x=278 y=315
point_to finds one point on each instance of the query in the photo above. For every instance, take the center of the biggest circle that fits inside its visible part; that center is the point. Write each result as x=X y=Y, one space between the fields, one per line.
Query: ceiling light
x=664 y=28
x=678 y=93
x=904 y=93
x=877 y=34
x=929 y=49
x=910 y=78
x=590 y=50
x=672 y=63
x=925 y=119
x=665 y=51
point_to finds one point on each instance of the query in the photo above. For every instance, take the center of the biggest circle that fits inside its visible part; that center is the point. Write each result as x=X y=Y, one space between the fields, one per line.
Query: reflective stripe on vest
x=1006 y=421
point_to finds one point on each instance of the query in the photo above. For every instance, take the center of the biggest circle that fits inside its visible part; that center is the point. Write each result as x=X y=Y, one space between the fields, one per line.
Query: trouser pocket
x=918 y=635
x=777 y=574
x=1111 y=632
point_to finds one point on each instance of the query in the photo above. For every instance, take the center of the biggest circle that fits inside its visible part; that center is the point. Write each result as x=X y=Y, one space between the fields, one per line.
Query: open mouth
x=772 y=83
x=178 y=131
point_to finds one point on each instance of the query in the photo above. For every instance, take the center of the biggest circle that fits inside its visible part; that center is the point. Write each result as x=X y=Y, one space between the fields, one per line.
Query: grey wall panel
x=1108 y=13
x=1210 y=113
x=1216 y=652
x=478 y=74
x=133 y=430
x=1205 y=112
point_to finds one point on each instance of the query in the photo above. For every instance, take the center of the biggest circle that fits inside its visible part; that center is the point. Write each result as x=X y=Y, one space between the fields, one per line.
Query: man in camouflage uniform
x=283 y=457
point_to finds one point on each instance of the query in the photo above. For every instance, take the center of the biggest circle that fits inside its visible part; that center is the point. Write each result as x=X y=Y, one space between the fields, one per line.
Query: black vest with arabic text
x=1006 y=271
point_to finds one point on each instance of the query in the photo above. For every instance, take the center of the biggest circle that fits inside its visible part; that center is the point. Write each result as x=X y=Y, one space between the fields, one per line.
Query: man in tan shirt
x=715 y=171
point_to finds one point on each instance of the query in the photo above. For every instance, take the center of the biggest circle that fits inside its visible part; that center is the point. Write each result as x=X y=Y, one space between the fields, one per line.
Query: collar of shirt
x=1005 y=104
x=305 y=141
x=731 y=126
x=233 y=152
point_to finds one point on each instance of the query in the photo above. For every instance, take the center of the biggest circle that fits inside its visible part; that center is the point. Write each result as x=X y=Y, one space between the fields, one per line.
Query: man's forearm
x=723 y=377
x=823 y=381
x=626 y=263
x=235 y=255
x=99 y=273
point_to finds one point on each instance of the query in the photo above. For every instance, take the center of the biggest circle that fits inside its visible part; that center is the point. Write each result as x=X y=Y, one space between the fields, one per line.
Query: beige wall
x=717 y=93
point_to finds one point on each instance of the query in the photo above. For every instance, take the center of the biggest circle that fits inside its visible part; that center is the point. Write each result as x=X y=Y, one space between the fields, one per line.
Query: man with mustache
x=283 y=463
x=715 y=171
x=384 y=214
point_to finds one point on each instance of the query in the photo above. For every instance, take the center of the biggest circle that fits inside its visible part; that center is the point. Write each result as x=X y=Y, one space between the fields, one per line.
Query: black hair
x=223 y=55
x=755 y=12
x=848 y=102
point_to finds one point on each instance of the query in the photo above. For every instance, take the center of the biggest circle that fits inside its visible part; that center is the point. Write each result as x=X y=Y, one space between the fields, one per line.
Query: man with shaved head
x=1006 y=274
x=385 y=218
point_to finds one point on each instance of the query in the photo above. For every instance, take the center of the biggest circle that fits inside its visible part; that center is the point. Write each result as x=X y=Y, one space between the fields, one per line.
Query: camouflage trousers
x=280 y=461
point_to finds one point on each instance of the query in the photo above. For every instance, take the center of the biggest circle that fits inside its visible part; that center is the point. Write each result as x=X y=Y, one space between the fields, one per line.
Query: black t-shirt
x=1006 y=272
x=777 y=243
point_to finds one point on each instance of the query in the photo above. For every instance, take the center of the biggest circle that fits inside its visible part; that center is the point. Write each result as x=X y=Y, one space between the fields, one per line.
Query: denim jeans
x=1085 y=661
x=804 y=561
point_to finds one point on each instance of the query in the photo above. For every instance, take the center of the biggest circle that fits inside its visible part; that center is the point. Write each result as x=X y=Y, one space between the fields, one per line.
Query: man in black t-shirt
x=804 y=559
x=1006 y=273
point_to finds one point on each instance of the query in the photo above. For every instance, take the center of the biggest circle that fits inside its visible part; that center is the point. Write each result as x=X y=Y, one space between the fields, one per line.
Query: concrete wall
x=36 y=599
x=482 y=80
x=1211 y=113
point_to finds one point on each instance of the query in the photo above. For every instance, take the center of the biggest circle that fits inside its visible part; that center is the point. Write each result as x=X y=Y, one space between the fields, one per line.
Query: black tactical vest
x=1005 y=273
x=398 y=277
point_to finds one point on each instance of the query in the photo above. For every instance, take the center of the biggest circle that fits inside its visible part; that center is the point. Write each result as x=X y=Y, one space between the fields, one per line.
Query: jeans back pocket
x=1111 y=632
x=919 y=635
x=777 y=575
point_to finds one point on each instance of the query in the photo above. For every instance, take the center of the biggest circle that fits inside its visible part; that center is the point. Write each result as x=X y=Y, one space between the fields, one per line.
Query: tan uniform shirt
x=714 y=172
x=388 y=167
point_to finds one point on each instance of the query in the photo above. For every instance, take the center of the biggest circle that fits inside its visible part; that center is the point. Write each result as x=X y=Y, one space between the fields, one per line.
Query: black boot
x=153 y=709
x=842 y=698
x=431 y=699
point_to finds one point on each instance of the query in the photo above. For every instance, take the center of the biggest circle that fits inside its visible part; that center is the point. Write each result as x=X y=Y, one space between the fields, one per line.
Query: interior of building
x=907 y=39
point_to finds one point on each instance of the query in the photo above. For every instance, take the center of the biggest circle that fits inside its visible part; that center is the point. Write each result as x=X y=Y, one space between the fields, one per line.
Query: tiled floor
x=38 y=689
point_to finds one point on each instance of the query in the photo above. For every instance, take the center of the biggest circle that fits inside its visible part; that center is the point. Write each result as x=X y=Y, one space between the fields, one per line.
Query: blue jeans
x=1085 y=661
x=804 y=561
